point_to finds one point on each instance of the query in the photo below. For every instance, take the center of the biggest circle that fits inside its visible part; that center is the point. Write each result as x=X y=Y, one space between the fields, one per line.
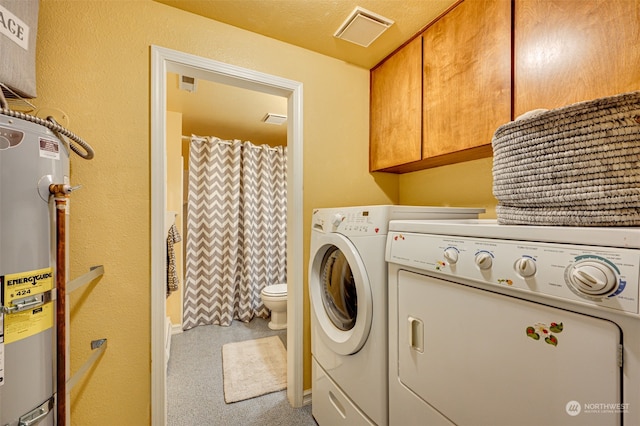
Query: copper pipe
x=61 y=194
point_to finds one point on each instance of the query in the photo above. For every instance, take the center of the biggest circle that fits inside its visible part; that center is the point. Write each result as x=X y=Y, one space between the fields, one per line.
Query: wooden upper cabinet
x=467 y=81
x=396 y=103
x=574 y=50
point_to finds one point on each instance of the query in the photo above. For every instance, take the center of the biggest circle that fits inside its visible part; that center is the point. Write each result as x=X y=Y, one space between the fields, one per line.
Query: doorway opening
x=163 y=61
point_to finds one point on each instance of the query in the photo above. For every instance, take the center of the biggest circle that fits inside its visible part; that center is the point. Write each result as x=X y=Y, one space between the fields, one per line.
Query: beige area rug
x=253 y=368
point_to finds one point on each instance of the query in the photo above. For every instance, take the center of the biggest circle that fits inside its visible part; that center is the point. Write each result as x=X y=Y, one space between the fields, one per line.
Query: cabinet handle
x=416 y=334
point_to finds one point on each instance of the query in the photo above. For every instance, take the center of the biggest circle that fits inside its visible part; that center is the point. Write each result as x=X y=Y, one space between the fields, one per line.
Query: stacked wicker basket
x=577 y=165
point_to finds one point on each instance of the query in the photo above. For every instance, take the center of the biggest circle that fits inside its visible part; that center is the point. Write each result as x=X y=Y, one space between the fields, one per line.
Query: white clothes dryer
x=501 y=325
x=348 y=292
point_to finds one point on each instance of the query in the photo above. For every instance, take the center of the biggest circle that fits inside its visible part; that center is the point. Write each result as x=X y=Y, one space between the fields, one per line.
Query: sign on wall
x=18 y=30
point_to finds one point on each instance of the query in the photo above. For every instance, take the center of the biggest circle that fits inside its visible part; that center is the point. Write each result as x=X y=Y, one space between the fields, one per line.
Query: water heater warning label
x=20 y=325
x=49 y=149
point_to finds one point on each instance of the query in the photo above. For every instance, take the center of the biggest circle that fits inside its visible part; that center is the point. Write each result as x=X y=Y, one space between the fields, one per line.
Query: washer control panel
x=349 y=222
x=604 y=276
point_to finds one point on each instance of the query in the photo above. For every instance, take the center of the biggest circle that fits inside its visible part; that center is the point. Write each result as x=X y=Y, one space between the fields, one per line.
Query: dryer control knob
x=451 y=255
x=484 y=260
x=593 y=278
x=525 y=267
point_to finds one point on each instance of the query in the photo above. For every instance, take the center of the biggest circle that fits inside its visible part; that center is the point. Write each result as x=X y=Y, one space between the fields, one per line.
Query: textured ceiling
x=233 y=113
x=311 y=23
x=227 y=112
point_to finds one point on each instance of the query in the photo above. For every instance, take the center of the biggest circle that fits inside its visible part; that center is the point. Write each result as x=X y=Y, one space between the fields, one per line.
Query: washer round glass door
x=340 y=294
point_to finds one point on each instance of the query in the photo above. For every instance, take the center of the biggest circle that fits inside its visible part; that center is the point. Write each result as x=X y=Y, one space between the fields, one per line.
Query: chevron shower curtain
x=236 y=229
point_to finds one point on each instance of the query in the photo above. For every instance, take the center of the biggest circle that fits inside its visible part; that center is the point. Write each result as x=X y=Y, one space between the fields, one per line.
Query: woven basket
x=577 y=165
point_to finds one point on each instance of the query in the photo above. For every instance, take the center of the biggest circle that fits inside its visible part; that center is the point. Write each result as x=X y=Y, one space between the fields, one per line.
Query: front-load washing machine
x=348 y=291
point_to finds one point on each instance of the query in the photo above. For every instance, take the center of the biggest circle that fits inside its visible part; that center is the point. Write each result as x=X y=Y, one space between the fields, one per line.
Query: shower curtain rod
x=201 y=139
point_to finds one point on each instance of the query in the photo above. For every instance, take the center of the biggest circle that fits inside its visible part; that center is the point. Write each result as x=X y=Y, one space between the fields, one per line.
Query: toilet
x=274 y=298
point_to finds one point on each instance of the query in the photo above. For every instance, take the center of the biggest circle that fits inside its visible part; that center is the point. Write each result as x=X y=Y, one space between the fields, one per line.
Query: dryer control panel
x=602 y=276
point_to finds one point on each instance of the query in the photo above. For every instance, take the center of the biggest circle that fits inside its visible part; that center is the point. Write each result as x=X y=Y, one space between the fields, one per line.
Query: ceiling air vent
x=272 y=118
x=362 y=27
x=187 y=83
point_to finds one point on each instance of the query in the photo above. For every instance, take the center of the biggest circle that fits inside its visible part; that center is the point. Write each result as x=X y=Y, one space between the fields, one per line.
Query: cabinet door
x=467 y=79
x=574 y=50
x=396 y=104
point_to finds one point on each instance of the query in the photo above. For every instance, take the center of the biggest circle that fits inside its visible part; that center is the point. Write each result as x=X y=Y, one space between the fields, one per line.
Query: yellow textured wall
x=93 y=63
x=458 y=185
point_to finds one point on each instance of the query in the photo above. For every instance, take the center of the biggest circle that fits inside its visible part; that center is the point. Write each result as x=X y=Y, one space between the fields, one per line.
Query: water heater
x=32 y=158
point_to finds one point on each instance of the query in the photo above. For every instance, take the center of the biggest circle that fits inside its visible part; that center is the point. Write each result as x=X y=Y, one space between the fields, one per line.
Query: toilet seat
x=275 y=290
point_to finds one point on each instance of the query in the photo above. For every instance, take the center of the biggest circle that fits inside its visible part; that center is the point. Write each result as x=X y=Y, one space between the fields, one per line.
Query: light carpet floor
x=194 y=382
x=253 y=367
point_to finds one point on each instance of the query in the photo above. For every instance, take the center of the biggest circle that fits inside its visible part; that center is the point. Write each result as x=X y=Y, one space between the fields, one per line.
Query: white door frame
x=165 y=60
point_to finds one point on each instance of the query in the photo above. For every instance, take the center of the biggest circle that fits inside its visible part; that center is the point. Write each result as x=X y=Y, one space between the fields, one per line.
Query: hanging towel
x=173 y=237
